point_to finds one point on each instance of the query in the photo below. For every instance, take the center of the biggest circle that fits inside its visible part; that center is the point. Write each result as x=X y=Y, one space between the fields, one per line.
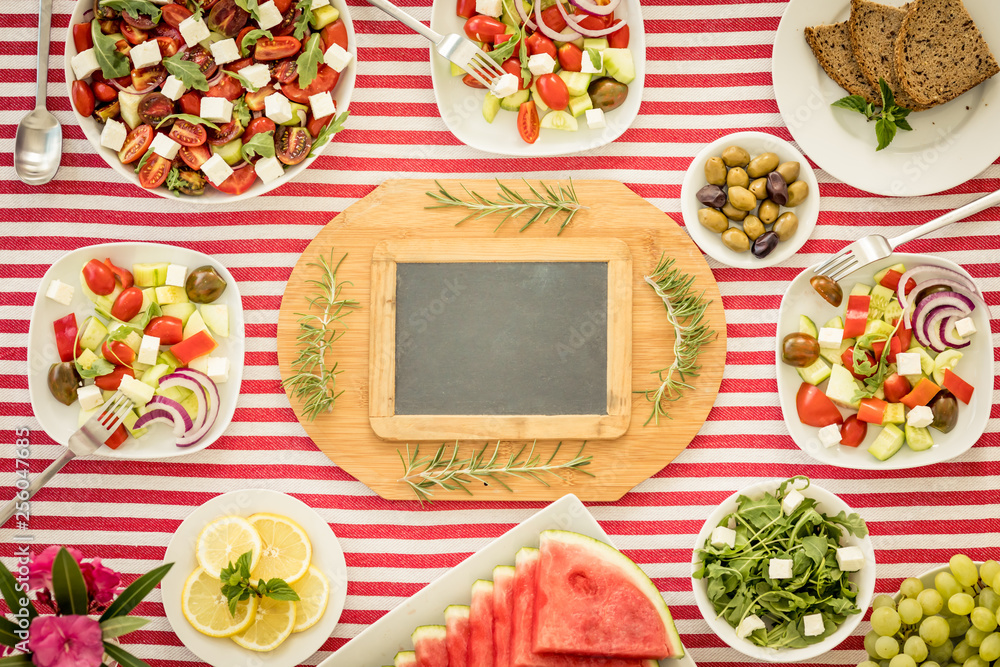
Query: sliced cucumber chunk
x=619 y=64
x=93 y=334
x=861 y=290
x=888 y=442
x=231 y=153
x=599 y=43
x=843 y=387
x=514 y=101
x=835 y=323
x=150 y=275
x=815 y=373
x=576 y=82
x=944 y=361
x=559 y=120
x=807 y=326
x=324 y=16
x=919 y=439
x=836 y=357
x=895 y=413
x=578 y=105
x=491 y=107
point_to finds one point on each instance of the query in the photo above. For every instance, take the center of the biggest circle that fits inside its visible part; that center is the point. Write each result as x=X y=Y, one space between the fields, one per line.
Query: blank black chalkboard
x=501 y=338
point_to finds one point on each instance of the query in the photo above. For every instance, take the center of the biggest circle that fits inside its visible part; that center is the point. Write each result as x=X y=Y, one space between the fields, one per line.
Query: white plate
x=327 y=556
x=60 y=421
x=948 y=145
x=710 y=242
x=864 y=579
x=461 y=107
x=378 y=643
x=976 y=367
x=341 y=93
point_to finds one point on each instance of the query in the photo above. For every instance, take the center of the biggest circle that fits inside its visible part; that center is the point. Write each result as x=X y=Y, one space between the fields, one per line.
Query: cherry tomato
x=257 y=126
x=282 y=5
x=553 y=91
x=570 y=57
x=527 y=122
x=226 y=133
x=129 y=302
x=195 y=156
x=472 y=82
x=335 y=33
x=156 y=109
x=134 y=35
x=285 y=71
x=255 y=100
x=553 y=19
x=848 y=358
x=103 y=91
x=154 y=174
x=82 y=37
x=277 y=48
x=799 y=349
x=168 y=46
x=238 y=183
x=190 y=102
x=484 y=28
x=162 y=29
x=116 y=439
x=227 y=18
x=83 y=98
x=539 y=43
x=188 y=134
x=170 y=330
x=111 y=381
x=198 y=55
x=99 y=278
x=118 y=353
x=316 y=125
x=292 y=144
x=465 y=8
x=237 y=65
x=853 y=431
x=500 y=39
x=123 y=47
x=243 y=33
x=594 y=22
x=831 y=292
x=513 y=66
x=287 y=25
x=123 y=276
x=896 y=387
x=619 y=38
x=226 y=87
x=140 y=21
x=174 y=14
x=136 y=144
x=146 y=79
x=325 y=80
x=815 y=408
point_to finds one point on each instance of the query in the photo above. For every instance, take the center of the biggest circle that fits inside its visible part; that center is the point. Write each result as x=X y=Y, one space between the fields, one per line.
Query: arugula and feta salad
x=777 y=569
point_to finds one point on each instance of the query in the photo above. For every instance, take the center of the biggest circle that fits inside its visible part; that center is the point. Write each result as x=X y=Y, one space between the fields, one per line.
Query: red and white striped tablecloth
x=697 y=88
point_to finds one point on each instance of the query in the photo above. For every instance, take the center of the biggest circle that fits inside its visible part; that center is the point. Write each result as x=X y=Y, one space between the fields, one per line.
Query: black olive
x=712 y=195
x=764 y=244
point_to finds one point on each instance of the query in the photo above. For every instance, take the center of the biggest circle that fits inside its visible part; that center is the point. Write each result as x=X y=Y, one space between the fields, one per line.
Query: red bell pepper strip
x=124 y=276
x=116 y=439
x=891 y=281
x=905 y=337
x=872 y=410
x=956 y=385
x=857 y=315
x=815 y=408
x=66 y=338
x=193 y=347
x=894 y=348
x=921 y=394
x=848 y=358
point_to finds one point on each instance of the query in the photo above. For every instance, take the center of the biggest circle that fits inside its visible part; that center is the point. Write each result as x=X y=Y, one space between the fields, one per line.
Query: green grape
x=934 y=630
x=870 y=640
x=902 y=660
x=963 y=651
x=975 y=637
x=916 y=648
x=965 y=571
x=941 y=654
x=958 y=625
x=911 y=587
x=975 y=661
x=883 y=600
x=931 y=601
x=867 y=663
x=886 y=622
x=984 y=619
x=946 y=584
x=961 y=603
x=887 y=647
x=910 y=611
x=990 y=599
x=930 y=663
x=996 y=583
x=990 y=648
x=988 y=570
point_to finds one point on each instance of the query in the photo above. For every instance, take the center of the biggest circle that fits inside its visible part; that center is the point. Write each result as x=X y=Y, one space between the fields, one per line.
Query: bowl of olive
x=750 y=200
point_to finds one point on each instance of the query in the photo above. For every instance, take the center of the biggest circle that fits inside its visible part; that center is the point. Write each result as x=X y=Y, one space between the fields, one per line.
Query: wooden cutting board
x=396 y=210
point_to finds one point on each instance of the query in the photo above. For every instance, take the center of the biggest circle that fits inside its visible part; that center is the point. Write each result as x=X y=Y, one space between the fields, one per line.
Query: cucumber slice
x=181 y=311
x=491 y=107
x=129 y=420
x=861 y=290
x=231 y=153
x=892 y=312
x=324 y=16
x=835 y=323
x=194 y=324
x=133 y=340
x=880 y=328
x=129 y=104
x=944 y=361
x=836 y=357
x=299 y=112
x=150 y=275
x=619 y=64
x=169 y=294
x=919 y=439
x=93 y=334
x=807 y=326
x=514 y=101
x=457 y=71
x=881 y=298
x=599 y=43
x=843 y=387
x=576 y=82
x=895 y=413
x=559 y=120
x=815 y=373
x=153 y=375
x=887 y=443
x=578 y=105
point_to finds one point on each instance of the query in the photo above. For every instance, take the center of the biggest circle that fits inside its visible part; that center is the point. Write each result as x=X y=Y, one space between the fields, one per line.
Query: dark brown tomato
x=103 y=12
x=165 y=30
x=192 y=183
x=227 y=87
x=285 y=71
x=202 y=58
x=102 y=114
x=292 y=144
x=255 y=101
x=147 y=78
x=188 y=134
x=134 y=35
x=64 y=381
x=154 y=108
x=195 y=156
x=140 y=21
x=287 y=25
x=607 y=94
x=227 y=19
x=110 y=26
x=225 y=133
x=123 y=47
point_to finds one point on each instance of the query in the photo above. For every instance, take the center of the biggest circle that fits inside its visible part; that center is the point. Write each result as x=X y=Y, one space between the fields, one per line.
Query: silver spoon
x=38 y=142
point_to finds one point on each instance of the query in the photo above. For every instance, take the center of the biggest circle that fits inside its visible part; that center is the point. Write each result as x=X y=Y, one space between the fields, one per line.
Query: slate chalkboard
x=501 y=338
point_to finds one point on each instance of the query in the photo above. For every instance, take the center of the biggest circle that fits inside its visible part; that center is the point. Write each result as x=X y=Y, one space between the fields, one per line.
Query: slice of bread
x=940 y=53
x=873 y=28
x=831 y=44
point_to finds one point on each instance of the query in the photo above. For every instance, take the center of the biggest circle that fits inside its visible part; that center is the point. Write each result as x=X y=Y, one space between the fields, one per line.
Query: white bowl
x=341 y=93
x=461 y=106
x=976 y=367
x=710 y=242
x=864 y=579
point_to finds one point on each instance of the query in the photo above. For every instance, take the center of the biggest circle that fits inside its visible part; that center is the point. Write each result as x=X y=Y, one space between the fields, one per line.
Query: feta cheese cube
x=850 y=559
x=136 y=391
x=60 y=292
x=218 y=369
x=595 y=119
x=164 y=146
x=258 y=75
x=216 y=169
x=748 y=625
x=908 y=363
x=965 y=327
x=193 y=30
x=920 y=417
x=723 y=537
x=779 y=568
x=812 y=625
x=225 y=51
x=173 y=88
x=316 y=4
x=337 y=58
x=489 y=7
x=90 y=397
x=114 y=134
x=587 y=63
x=176 y=275
x=270 y=15
x=322 y=105
x=278 y=108
x=216 y=109
x=269 y=169
x=830 y=435
x=505 y=85
x=792 y=501
x=146 y=54
x=85 y=63
x=541 y=63
x=831 y=338
x=149 y=349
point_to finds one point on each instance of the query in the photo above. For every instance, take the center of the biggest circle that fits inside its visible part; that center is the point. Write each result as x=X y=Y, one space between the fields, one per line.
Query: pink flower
x=65 y=641
x=40 y=569
x=102 y=582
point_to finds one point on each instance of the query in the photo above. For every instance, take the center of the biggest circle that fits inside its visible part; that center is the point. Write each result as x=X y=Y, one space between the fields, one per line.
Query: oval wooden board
x=396 y=210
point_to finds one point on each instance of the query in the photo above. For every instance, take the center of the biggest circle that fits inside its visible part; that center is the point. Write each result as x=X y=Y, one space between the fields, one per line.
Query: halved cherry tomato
x=169 y=329
x=896 y=387
x=878 y=347
x=118 y=353
x=255 y=100
x=853 y=431
x=484 y=28
x=83 y=39
x=316 y=125
x=67 y=341
x=815 y=408
x=282 y=5
x=195 y=156
x=539 y=43
x=168 y=45
x=116 y=439
x=238 y=183
x=285 y=71
x=292 y=144
x=148 y=78
x=163 y=29
x=872 y=410
x=591 y=22
x=128 y=304
x=123 y=276
x=226 y=87
x=287 y=25
x=140 y=21
x=553 y=91
x=239 y=39
x=472 y=82
x=619 y=40
x=111 y=381
x=527 y=122
x=553 y=19
x=190 y=102
x=465 y=8
x=188 y=134
x=326 y=79
x=335 y=33
x=103 y=91
x=284 y=46
x=83 y=98
x=257 y=126
x=570 y=57
x=513 y=66
x=123 y=47
x=237 y=65
x=198 y=55
x=226 y=133
x=963 y=390
x=99 y=278
x=174 y=14
x=921 y=394
x=133 y=35
x=154 y=174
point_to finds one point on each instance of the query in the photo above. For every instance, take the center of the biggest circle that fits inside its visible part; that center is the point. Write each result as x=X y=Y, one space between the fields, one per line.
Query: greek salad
x=891 y=360
x=151 y=336
x=217 y=92
x=563 y=60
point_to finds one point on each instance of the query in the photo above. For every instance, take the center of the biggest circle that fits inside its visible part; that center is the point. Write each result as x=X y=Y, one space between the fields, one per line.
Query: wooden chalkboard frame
x=382 y=373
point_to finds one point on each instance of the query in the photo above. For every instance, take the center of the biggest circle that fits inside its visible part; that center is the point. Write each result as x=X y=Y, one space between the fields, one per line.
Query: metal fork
x=84 y=442
x=874 y=247
x=458 y=49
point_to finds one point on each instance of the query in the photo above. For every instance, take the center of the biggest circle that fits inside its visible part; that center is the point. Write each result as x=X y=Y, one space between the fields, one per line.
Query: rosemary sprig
x=513 y=204
x=686 y=314
x=448 y=471
x=314 y=383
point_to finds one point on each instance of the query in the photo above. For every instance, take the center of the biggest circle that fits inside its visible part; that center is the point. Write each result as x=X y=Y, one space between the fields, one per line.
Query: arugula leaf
x=174 y=182
x=324 y=136
x=596 y=59
x=134 y=7
x=241 y=112
x=245 y=82
x=197 y=120
x=888 y=118
x=195 y=6
x=309 y=60
x=187 y=71
x=250 y=6
x=121 y=333
x=306 y=15
x=261 y=144
x=504 y=51
x=113 y=64
x=251 y=38
x=142 y=160
x=98 y=368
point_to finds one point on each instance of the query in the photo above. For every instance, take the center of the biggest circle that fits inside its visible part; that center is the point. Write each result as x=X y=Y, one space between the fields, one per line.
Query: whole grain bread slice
x=873 y=28
x=831 y=44
x=940 y=53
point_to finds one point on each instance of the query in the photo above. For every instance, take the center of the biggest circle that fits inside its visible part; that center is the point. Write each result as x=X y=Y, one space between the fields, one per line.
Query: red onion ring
x=121 y=88
x=932 y=271
x=573 y=23
x=525 y=19
x=218 y=76
x=211 y=397
x=596 y=9
x=567 y=35
x=88 y=15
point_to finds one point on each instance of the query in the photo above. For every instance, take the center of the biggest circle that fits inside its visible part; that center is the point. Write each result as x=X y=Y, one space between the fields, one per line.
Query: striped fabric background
x=697 y=88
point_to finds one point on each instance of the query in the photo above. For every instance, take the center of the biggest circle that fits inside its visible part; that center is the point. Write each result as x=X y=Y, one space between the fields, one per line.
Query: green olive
x=768 y=211
x=786 y=225
x=759 y=188
x=734 y=213
x=607 y=94
x=762 y=165
x=64 y=381
x=734 y=156
x=205 y=285
x=753 y=227
x=742 y=198
x=797 y=193
x=715 y=171
x=712 y=219
x=789 y=171
x=736 y=240
x=737 y=177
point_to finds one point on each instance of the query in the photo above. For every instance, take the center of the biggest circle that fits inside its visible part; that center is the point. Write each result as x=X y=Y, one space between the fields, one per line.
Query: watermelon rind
x=405 y=659
x=616 y=559
x=456 y=619
x=503 y=599
x=481 y=624
x=425 y=632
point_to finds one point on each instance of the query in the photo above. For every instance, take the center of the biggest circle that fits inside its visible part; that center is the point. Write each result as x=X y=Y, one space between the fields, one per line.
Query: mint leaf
x=251 y=38
x=309 y=60
x=325 y=134
x=277 y=589
x=261 y=144
x=196 y=120
x=113 y=64
x=187 y=71
x=888 y=99
x=245 y=82
x=853 y=103
x=244 y=564
x=885 y=131
x=302 y=23
x=134 y=7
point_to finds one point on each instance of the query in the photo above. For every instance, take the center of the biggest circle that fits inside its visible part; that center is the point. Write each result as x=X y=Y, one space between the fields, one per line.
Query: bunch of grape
x=954 y=624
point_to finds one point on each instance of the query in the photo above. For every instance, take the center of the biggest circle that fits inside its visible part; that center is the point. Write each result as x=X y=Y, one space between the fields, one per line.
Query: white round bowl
x=341 y=93
x=710 y=242
x=864 y=579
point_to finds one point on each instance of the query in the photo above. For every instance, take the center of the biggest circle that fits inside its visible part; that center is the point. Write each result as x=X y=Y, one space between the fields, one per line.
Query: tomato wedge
x=238 y=183
x=136 y=144
x=335 y=33
x=195 y=156
x=154 y=173
x=896 y=387
x=188 y=134
x=326 y=79
x=175 y=14
x=277 y=48
x=815 y=408
x=527 y=122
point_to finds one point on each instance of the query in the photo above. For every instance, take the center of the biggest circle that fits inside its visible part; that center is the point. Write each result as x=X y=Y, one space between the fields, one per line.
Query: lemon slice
x=206 y=609
x=271 y=625
x=224 y=540
x=314 y=595
x=287 y=551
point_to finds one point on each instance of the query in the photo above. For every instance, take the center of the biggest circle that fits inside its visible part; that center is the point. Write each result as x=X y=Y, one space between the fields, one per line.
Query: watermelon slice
x=405 y=659
x=481 y=625
x=430 y=644
x=503 y=600
x=522 y=621
x=456 y=623
x=592 y=599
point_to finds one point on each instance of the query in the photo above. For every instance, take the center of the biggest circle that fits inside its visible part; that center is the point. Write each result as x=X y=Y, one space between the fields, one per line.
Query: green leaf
x=98 y=368
x=133 y=595
x=243 y=564
x=134 y=7
x=250 y=6
x=251 y=38
x=502 y=53
x=241 y=112
x=16 y=660
x=306 y=15
x=309 y=60
x=123 y=657
x=595 y=58
x=261 y=144
x=8 y=633
x=195 y=6
x=142 y=161
x=174 y=182
x=853 y=103
x=121 y=625
x=325 y=134
x=245 y=82
x=903 y=124
x=113 y=64
x=16 y=599
x=186 y=71
x=277 y=589
x=68 y=586
x=888 y=99
x=196 y=120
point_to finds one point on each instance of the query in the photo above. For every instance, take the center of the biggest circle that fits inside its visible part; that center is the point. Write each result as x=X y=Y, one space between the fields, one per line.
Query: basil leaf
x=251 y=38
x=324 y=136
x=188 y=72
x=197 y=120
x=309 y=60
x=885 y=131
x=243 y=80
x=134 y=7
x=888 y=99
x=113 y=64
x=852 y=103
x=261 y=144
